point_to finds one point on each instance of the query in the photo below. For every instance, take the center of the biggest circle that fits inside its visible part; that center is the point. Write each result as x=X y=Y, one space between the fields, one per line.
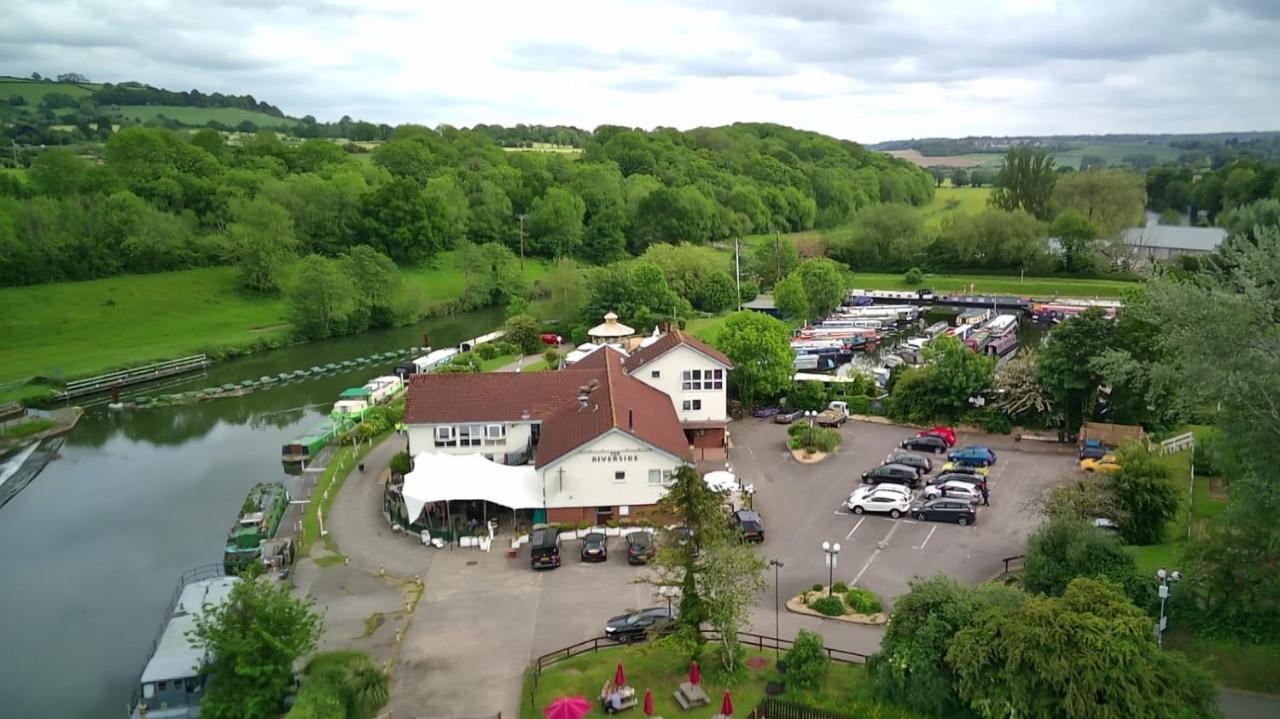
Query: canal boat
x=308 y=446
x=468 y=345
x=172 y=683
x=258 y=522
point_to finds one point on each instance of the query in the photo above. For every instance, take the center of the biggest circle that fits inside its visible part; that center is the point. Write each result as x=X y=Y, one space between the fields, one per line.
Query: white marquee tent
x=443 y=477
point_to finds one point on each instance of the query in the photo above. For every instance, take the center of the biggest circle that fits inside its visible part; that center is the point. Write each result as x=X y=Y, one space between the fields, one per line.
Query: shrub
x=749 y=290
x=807 y=660
x=816 y=588
x=862 y=601
x=552 y=356
x=990 y=420
x=839 y=588
x=400 y=463
x=914 y=276
x=831 y=606
x=522 y=333
x=487 y=351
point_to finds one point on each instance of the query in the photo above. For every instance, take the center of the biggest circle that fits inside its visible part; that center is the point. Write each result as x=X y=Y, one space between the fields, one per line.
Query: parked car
x=946 y=434
x=893 y=499
x=892 y=474
x=973 y=455
x=765 y=412
x=1106 y=464
x=1093 y=449
x=976 y=480
x=963 y=467
x=955 y=490
x=925 y=443
x=911 y=460
x=945 y=510
x=1106 y=525
x=640 y=548
x=550 y=338
x=788 y=417
x=544 y=547
x=748 y=524
x=595 y=547
x=635 y=626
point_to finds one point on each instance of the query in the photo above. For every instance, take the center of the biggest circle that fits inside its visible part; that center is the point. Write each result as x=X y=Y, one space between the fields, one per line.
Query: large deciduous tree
x=1144 y=491
x=263 y=242
x=760 y=348
x=1025 y=181
x=1067 y=547
x=1064 y=365
x=941 y=389
x=773 y=259
x=555 y=224
x=1076 y=236
x=566 y=289
x=322 y=298
x=252 y=640
x=1109 y=200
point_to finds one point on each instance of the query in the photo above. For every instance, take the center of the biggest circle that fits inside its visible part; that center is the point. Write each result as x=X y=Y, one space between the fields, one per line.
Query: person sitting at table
x=613 y=701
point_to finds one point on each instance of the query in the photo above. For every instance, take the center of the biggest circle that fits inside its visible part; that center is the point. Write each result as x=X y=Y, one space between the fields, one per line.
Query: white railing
x=1186 y=440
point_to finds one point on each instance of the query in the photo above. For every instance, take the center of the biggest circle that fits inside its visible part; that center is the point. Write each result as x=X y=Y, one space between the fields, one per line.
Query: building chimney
x=631 y=419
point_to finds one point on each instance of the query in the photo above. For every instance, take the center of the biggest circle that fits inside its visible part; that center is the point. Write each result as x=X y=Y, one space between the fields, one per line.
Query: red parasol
x=619 y=679
x=648 y=702
x=568 y=708
x=726 y=706
x=695 y=676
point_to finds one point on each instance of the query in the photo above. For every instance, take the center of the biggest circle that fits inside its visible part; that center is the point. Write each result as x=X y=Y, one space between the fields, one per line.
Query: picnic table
x=690 y=695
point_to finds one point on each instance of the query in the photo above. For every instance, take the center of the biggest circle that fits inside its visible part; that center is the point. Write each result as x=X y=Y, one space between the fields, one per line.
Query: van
x=544 y=548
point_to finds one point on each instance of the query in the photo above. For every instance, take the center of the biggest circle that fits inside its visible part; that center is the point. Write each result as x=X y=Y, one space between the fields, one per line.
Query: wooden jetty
x=132 y=376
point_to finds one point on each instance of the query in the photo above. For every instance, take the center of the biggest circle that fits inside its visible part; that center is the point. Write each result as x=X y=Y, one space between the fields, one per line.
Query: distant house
x=1158 y=243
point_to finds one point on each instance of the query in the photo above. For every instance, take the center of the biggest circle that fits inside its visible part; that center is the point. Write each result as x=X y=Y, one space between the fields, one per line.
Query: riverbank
x=37 y=429
x=64 y=330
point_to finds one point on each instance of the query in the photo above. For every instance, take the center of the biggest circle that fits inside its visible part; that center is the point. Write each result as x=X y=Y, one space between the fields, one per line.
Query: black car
x=764 y=412
x=595 y=547
x=633 y=627
x=788 y=417
x=749 y=525
x=927 y=443
x=944 y=509
x=911 y=460
x=976 y=480
x=640 y=548
x=894 y=473
x=544 y=548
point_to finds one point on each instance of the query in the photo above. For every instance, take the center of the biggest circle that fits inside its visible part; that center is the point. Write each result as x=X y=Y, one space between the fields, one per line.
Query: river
x=91 y=549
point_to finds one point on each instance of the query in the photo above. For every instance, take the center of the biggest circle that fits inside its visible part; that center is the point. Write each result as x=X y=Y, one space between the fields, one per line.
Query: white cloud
x=868 y=70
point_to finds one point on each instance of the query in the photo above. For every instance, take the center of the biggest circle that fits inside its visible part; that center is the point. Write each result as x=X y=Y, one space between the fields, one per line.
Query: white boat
x=473 y=343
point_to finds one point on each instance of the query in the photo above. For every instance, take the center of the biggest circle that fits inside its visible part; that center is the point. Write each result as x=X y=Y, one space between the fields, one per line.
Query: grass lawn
x=955 y=201
x=33 y=91
x=706 y=328
x=199 y=116
x=492 y=365
x=19 y=430
x=846 y=688
x=1204 y=509
x=1253 y=667
x=81 y=328
x=1040 y=287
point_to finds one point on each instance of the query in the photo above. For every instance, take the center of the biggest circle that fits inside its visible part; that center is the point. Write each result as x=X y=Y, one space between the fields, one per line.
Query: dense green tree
x=395 y=221
x=992 y=239
x=689 y=269
x=941 y=388
x=447 y=211
x=1089 y=653
x=960 y=177
x=262 y=239
x=636 y=290
x=492 y=218
x=554 y=224
x=59 y=172
x=1025 y=181
x=322 y=298
x=760 y=348
x=1092 y=162
x=252 y=640
x=524 y=331
x=492 y=275
x=717 y=293
x=326 y=212
x=773 y=259
x=672 y=215
x=1064 y=367
x=889 y=236
x=1145 y=494
x=566 y=290
x=411 y=159
x=375 y=280
x=791 y=299
x=1076 y=236
x=980 y=176
x=1110 y=200
x=1067 y=547
x=824 y=285
x=807 y=660
x=605 y=238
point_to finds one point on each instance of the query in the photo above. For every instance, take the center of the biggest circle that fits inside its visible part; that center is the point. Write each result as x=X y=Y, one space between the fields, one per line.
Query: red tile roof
x=616 y=402
x=670 y=341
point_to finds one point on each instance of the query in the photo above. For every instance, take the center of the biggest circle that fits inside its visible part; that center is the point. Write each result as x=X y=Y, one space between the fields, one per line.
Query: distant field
x=977 y=159
x=201 y=115
x=86 y=327
x=955 y=201
x=33 y=91
x=1115 y=153
x=1039 y=287
x=546 y=147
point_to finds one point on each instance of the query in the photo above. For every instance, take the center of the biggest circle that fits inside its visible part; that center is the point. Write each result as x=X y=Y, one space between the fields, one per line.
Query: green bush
x=750 y=290
x=914 y=277
x=816 y=588
x=807 y=395
x=831 y=606
x=990 y=420
x=1206 y=457
x=862 y=601
x=807 y=660
x=839 y=588
x=487 y=351
x=552 y=356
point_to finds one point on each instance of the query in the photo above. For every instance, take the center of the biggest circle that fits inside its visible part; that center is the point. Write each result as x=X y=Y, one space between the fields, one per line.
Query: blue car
x=973 y=455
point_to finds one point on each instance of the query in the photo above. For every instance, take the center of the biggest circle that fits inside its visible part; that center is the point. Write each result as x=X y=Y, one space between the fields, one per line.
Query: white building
x=695 y=376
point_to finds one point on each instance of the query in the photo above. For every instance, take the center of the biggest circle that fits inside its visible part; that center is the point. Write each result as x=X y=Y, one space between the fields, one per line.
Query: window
x=148 y=690
x=161 y=686
x=716 y=381
x=446 y=437
x=470 y=435
x=701 y=379
x=495 y=431
x=691 y=404
x=691 y=379
x=655 y=374
x=660 y=477
x=619 y=476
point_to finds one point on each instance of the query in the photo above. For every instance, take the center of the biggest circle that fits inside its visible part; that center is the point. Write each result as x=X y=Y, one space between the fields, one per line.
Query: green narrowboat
x=258 y=521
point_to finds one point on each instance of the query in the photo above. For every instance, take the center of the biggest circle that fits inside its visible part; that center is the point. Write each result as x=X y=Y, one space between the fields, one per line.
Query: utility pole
x=521 y=216
x=737 y=270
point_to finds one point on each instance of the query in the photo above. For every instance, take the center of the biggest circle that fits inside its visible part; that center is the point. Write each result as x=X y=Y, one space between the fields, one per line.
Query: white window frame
x=446 y=435
x=691 y=405
x=664 y=477
x=495 y=434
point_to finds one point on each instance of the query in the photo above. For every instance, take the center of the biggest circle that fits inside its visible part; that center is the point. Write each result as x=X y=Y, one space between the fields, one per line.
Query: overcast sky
x=868 y=70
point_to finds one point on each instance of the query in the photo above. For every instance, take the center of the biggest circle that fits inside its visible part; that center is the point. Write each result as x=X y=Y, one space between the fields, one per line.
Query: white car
x=893 y=499
x=955 y=490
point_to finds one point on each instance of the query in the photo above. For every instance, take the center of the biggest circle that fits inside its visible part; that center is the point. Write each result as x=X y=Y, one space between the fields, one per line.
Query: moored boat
x=258 y=522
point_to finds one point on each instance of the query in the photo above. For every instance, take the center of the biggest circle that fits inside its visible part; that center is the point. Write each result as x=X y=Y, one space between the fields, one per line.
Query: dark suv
x=749 y=525
x=544 y=548
x=892 y=473
x=918 y=461
x=640 y=548
x=945 y=509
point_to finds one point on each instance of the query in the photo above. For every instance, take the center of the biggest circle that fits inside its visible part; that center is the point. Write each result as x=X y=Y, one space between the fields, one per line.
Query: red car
x=554 y=339
x=947 y=434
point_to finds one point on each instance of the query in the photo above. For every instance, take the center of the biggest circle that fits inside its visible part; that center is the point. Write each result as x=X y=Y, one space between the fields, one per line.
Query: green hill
x=34 y=91
x=200 y=116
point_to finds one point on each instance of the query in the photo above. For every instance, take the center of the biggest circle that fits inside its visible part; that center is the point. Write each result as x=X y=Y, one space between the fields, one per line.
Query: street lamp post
x=809 y=416
x=750 y=492
x=777 y=632
x=667 y=593
x=831 y=551
x=1166 y=579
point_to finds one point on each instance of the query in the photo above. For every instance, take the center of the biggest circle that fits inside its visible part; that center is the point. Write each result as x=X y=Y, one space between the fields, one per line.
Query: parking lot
x=802 y=507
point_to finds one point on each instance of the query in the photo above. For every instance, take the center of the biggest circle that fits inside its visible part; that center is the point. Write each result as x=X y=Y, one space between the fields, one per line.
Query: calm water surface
x=91 y=549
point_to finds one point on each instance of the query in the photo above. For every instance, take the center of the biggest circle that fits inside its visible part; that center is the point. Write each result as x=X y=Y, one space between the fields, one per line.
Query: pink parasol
x=568 y=708
x=726 y=706
x=648 y=702
x=619 y=679
x=695 y=676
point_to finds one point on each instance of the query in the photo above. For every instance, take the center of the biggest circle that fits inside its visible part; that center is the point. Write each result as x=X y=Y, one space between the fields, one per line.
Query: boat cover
x=438 y=477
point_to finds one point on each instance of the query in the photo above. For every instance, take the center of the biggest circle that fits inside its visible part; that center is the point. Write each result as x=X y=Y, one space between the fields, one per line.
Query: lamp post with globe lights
x=809 y=416
x=831 y=550
x=1166 y=579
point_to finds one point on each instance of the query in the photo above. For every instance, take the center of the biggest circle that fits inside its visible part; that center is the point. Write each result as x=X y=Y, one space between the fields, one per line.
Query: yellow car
x=965 y=468
x=1106 y=463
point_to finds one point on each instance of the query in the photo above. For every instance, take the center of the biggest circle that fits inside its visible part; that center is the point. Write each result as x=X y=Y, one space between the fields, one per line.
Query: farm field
x=79 y=328
x=975 y=159
x=955 y=201
x=1114 y=153
x=201 y=115
x=33 y=91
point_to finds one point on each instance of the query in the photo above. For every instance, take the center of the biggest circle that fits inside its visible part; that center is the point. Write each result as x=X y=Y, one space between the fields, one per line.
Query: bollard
x=381 y=571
